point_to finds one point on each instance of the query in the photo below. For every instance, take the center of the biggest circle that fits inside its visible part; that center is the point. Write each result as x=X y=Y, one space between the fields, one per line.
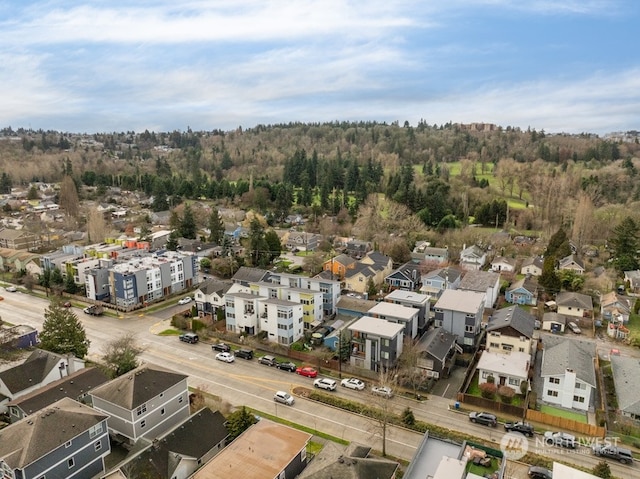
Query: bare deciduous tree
x=69 y=200
x=97 y=228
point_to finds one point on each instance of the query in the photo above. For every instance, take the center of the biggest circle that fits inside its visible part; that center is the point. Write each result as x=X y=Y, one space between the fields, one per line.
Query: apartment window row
x=554 y=380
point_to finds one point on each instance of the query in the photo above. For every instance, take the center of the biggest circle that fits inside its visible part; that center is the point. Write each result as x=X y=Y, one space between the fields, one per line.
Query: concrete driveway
x=448 y=388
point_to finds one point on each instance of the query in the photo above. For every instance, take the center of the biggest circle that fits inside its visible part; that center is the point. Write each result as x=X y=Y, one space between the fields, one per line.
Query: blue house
x=406 y=277
x=524 y=291
x=436 y=281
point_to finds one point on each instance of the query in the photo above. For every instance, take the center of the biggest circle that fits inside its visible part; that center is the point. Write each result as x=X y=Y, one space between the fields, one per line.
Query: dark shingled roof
x=30 y=373
x=192 y=439
x=514 y=317
x=35 y=436
x=249 y=275
x=138 y=386
x=214 y=286
x=72 y=386
x=437 y=343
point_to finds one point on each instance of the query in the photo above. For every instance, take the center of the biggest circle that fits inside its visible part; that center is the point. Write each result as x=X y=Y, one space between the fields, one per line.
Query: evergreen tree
x=188 y=228
x=558 y=246
x=70 y=285
x=238 y=422
x=172 y=241
x=62 y=332
x=603 y=470
x=549 y=279
x=274 y=246
x=624 y=245
x=216 y=227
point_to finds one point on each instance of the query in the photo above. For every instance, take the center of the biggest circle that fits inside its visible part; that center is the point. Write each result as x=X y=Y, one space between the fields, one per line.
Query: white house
x=507 y=369
x=568 y=372
x=574 y=304
x=500 y=263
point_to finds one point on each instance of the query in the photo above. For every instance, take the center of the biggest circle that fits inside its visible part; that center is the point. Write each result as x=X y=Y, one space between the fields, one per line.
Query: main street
x=251 y=384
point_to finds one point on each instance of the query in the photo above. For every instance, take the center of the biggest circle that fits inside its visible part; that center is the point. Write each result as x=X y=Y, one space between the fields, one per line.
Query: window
x=143 y=423
x=507 y=347
x=553 y=394
x=521 y=350
x=581 y=386
x=579 y=399
x=71 y=462
x=162 y=412
x=67 y=444
x=141 y=409
x=469 y=328
x=514 y=382
x=554 y=380
x=180 y=400
x=494 y=345
x=485 y=374
x=95 y=430
x=97 y=446
x=384 y=354
x=385 y=343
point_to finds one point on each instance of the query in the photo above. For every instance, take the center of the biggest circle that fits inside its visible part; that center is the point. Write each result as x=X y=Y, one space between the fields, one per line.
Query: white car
x=185 y=300
x=352 y=383
x=383 y=391
x=324 y=383
x=226 y=357
x=284 y=398
x=11 y=289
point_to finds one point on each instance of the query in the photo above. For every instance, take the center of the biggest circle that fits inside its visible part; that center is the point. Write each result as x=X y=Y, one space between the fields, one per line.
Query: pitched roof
x=194 y=438
x=574 y=300
x=567 y=260
x=343 y=259
x=437 y=343
x=138 y=386
x=535 y=261
x=32 y=372
x=561 y=354
x=72 y=386
x=449 y=274
x=246 y=274
x=625 y=379
x=614 y=300
x=211 y=286
x=473 y=250
x=527 y=284
x=379 y=260
x=505 y=260
x=360 y=268
x=31 y=438
x=514 y=317
x=479 y=280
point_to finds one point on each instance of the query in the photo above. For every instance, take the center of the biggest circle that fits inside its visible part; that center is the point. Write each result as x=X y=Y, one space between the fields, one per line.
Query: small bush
x=506 y=394
x=488 y=390
x=179 y=322
x=297 y=346
x=533 y=400
x=407 y=417
x=491 y=379
x=197 y=325
x=524 y=385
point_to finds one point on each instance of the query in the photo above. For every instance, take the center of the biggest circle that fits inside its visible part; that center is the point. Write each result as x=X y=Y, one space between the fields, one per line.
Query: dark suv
x=521 y=427
x=287 y=366
x=613 y=452
x=244 y=353
x=268 y=360
x=189 y=338
x=485 y=418
x=223 y=348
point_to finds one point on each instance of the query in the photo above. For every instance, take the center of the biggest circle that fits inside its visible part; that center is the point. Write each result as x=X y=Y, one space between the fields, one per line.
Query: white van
x=574 y=327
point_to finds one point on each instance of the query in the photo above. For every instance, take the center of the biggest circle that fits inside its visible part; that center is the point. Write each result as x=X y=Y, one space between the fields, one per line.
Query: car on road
x=485 y=418
x=189 y=338
x=185 y=300
x=11 y=289
x=352 y=383
x=560 y=439
x=287 y=366
x=613 y=452
x=244 y=353
x=222 y=347
x=66 y=304
x=383 y=391
x=268 y=360
x=226 y=357
x=537 y=472
x=521 y=427
x=325 y=383
x=283 y=398
x=307 y=371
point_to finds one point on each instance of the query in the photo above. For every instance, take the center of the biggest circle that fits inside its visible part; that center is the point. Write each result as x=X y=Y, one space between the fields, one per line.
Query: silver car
x=284 y=398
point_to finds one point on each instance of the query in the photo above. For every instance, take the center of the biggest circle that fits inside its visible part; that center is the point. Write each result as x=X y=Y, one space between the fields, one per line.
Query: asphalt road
x=251 y=384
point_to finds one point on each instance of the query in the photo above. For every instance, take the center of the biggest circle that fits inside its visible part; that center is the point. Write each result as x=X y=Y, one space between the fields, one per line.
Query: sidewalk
x=160 y=326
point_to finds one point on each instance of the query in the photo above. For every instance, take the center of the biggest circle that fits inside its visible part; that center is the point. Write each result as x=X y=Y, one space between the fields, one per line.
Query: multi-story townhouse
x=375 y=343
x=460 y=313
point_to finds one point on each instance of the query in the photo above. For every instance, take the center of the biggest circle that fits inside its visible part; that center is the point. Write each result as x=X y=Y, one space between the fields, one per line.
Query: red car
x=307 y=371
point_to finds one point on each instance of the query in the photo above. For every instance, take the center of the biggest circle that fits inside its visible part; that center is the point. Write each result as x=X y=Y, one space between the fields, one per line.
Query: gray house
x=436 y=281
x=209 y=297
x=412 y=300
x=399 y=314
x=375 y=343
x=145 y=402
x=75 y=386
x=68 y=439
x=437 y=350
x=625 y=373
x=460 y=313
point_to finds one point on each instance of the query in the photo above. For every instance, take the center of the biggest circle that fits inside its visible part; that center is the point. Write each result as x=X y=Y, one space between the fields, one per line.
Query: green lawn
x=474 y=390
x=553 y=411
x=169 y=332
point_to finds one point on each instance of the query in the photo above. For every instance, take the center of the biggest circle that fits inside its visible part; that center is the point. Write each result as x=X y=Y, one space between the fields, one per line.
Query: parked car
x=284 y=398
x=185 y=300
x=560 y=439
x=485 y=418
x=93 y=310
x=222 y=347
x=268 y=360
x=226 y=357
x=537 y=472
x=66 y=304
x=613 y=452
x=574 y=328
x=383 y=391
x=325 y=383
x=287 y=366
x=521 y=427
x=244 y=353
x=189 y=338
x=352 y=383
x=307 y=371
x=11 y=289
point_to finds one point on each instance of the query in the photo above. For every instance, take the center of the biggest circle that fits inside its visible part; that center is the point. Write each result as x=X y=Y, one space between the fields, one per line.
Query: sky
x=568 y=66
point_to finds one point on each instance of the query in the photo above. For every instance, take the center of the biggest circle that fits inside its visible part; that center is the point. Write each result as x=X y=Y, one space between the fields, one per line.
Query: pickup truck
x=94 y=310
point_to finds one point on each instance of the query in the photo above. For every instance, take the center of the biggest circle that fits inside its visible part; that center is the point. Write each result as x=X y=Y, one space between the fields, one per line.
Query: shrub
x=506 y=394
x=524 y=385
x=491 y=379
x=488 y=390
x=407 y=417
x=197 y=325
x=179 y=322
x=297 y=346
x=533 y=400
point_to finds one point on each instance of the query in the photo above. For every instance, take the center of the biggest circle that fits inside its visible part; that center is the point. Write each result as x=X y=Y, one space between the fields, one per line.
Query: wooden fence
x=491 y=405
x=564 y=423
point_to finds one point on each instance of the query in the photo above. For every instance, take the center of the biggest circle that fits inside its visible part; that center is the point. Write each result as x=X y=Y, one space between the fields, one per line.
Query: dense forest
x=444 y=176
